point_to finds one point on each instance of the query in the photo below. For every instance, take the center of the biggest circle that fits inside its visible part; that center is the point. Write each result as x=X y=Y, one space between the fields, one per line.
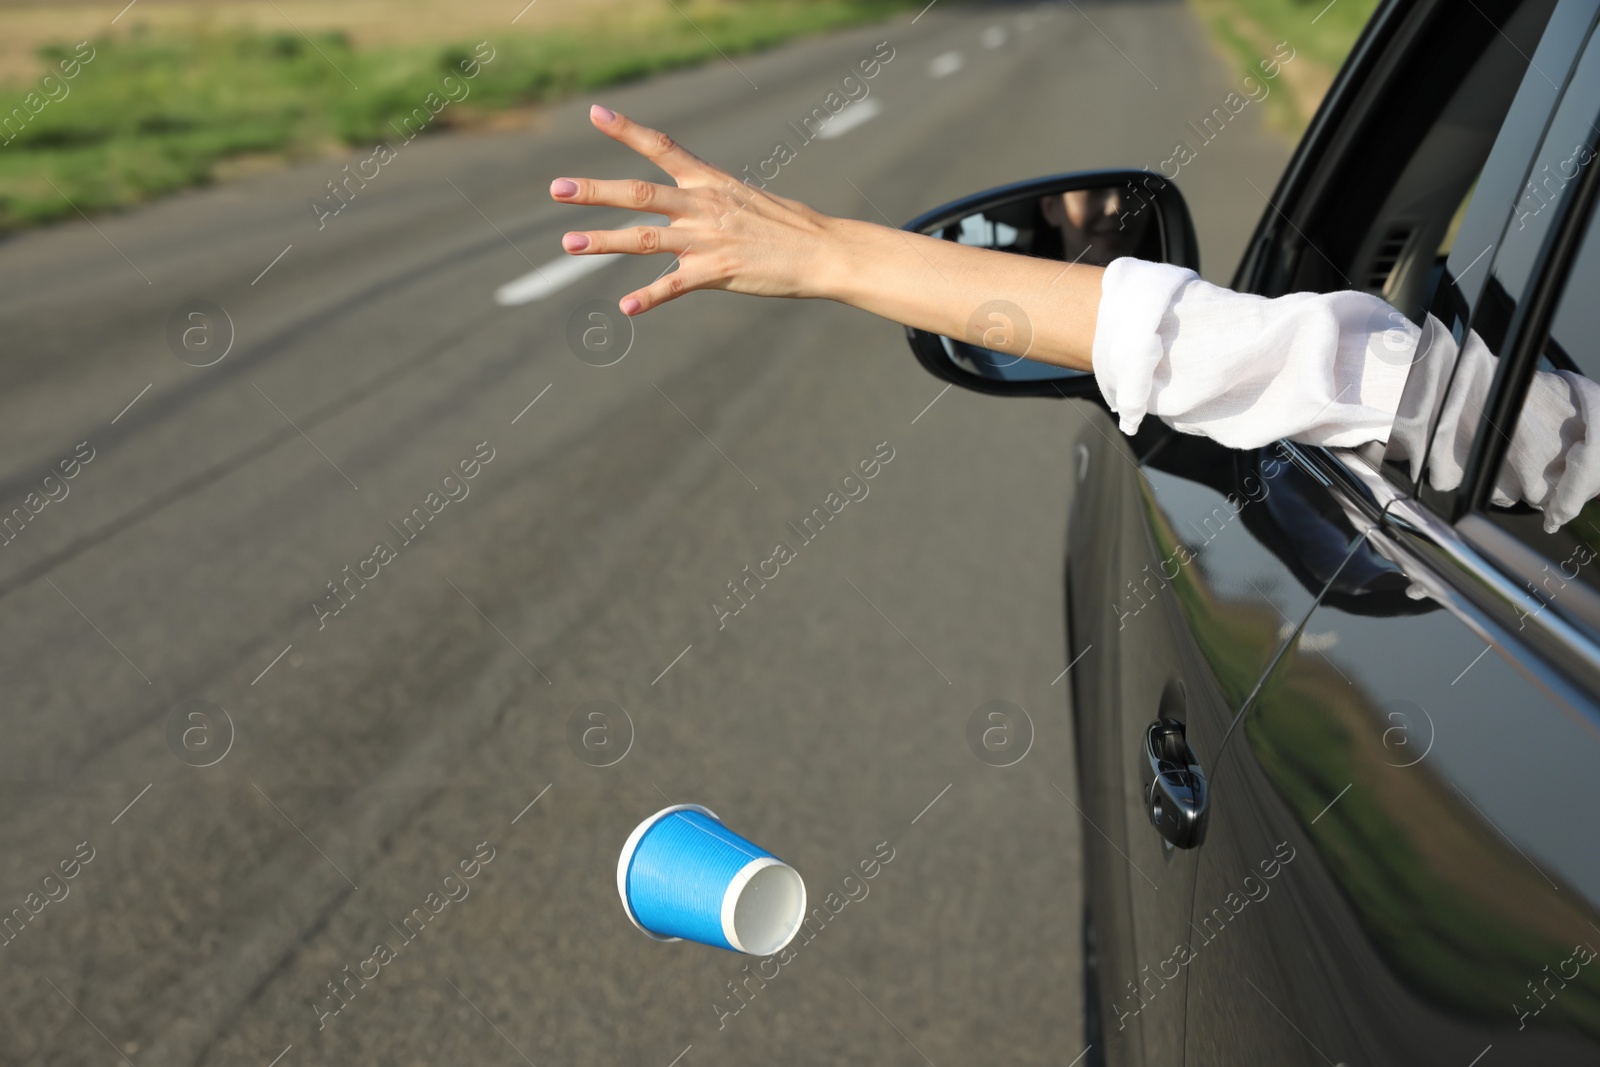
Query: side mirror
x=1090 y=217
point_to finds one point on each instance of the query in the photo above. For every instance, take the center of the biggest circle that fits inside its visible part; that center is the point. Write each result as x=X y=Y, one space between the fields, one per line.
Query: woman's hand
x=730 y=235
x=725 y=233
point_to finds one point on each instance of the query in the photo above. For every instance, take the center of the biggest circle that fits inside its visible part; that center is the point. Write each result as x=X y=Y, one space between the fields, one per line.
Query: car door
x=1188 y=575
x=1177 y=607
x=1189 y=567
x=1402 y=869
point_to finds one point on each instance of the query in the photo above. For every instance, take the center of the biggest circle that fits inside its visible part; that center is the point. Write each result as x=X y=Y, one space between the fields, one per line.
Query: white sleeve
x=1322 y=368
x=1553 y=459
x=1330 y=369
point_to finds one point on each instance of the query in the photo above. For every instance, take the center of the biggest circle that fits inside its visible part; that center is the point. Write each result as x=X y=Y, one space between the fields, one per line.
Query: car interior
x=1385 y=224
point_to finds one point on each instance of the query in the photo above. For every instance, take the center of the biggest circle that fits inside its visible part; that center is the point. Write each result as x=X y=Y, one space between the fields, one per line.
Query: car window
x=1528 y=79
x=1458 y=414
x=1546 y=491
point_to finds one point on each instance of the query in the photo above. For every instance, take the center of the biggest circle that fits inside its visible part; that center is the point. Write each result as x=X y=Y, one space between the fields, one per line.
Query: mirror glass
x=1094 y=226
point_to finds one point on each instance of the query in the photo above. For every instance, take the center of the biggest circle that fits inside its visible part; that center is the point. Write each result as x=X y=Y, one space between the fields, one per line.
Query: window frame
x=1533 y=316
x=1525 y=338
x=1481 y=303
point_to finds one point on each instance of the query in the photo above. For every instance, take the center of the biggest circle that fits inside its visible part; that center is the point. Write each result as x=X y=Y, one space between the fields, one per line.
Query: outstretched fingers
x=665 y=288
x=637 y=194
x=685 y=168
x=653 y=145
x=636 y=240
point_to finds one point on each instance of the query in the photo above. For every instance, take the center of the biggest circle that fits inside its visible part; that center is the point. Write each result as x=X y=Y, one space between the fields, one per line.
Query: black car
x=1338 y=710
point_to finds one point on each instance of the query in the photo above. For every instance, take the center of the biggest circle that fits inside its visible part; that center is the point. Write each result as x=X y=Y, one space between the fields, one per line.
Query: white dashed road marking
x=857 y=114
x=949 y=63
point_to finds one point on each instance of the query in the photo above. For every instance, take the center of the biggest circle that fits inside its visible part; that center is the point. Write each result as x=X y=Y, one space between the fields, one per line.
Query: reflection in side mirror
x=1092 y=217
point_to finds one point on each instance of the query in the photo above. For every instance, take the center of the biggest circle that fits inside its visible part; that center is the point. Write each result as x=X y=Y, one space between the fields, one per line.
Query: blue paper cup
x=683 y=876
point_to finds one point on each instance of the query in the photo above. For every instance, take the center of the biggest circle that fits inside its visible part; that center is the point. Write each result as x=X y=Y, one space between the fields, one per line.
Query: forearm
x=1038 y=308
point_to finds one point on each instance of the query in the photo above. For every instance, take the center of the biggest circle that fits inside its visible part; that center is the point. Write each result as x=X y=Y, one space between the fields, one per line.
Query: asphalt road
x=363 y=755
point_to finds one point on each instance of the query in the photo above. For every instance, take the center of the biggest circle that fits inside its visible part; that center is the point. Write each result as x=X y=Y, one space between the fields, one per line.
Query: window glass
x=1452 y=231
x=1547 y=480
x=1515 y=86
x=1547 y=488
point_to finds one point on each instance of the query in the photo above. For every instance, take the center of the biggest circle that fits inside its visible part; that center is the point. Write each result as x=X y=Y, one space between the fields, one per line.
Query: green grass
x=1321 y=36
x=1327 y=40
x=151 y=114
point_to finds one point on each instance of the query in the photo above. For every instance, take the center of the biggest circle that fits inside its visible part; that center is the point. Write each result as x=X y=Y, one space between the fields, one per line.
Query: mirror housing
x=1065 y=217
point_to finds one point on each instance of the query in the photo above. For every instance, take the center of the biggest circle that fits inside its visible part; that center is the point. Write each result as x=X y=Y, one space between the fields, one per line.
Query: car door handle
x=1175 y=789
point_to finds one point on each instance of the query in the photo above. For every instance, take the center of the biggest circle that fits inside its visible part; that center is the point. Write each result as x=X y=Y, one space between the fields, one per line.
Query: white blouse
x=1330 y=369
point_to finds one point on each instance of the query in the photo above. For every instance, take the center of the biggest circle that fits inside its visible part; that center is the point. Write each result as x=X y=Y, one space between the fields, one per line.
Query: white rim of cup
x=730 y=901
x=626 y=860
